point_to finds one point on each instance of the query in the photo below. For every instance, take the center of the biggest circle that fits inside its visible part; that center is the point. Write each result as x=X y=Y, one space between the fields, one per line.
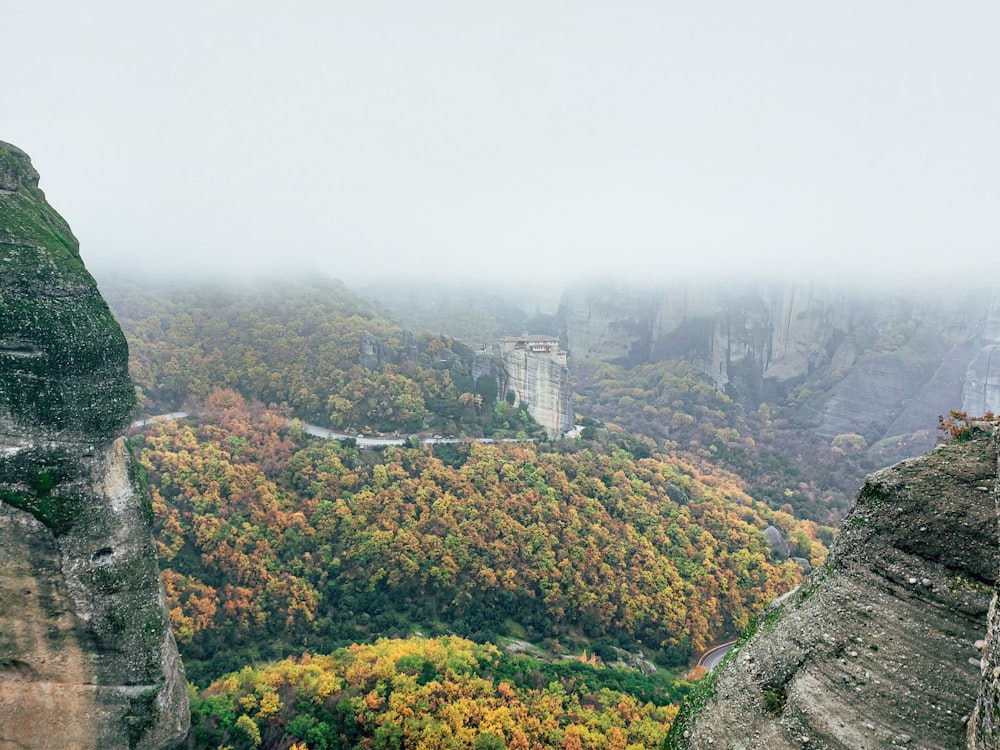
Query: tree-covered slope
x=273 y=542
x=331 y=355
x=435 y=693
x=784 y=463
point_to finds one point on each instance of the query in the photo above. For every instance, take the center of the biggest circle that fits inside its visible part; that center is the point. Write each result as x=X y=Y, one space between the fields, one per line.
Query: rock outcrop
x=981 y=392
x=878 y=647
x=984 y=729
x=375 y=352
x=741 y=337
x=87 y=659
x=533 y=369
x=881 y=363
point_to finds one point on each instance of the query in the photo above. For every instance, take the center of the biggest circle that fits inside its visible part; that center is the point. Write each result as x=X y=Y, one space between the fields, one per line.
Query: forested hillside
x=329 y=354
x=434 y=693
x=783 y=463
x=273 y=542
x=337 y=360
x=585 y=552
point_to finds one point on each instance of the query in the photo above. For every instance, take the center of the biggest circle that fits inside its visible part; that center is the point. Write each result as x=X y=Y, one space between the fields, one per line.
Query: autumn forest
x=524 y=594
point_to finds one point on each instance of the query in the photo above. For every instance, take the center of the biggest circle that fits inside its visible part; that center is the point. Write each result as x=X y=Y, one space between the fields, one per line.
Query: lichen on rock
x=87 y=658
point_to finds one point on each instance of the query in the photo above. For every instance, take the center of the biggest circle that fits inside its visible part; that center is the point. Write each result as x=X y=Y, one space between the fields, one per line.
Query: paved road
x=160 y=418
x=322 y=432
x=711 y=658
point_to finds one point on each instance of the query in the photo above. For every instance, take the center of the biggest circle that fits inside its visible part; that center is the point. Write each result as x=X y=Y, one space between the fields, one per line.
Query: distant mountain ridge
x=878 y=363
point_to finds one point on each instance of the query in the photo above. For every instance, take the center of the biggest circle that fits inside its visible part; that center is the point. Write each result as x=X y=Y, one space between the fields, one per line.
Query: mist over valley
x=448 y=375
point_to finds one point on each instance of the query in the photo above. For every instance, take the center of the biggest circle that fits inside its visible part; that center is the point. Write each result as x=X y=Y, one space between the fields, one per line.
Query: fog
x=507 y=140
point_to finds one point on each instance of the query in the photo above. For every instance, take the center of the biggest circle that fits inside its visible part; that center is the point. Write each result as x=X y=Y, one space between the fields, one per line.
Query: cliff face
x=982 y=382
x=535 y=371
x=878 y=648
x=984 y=728
x=740 y=337
x=87 y=659
x=877 y=363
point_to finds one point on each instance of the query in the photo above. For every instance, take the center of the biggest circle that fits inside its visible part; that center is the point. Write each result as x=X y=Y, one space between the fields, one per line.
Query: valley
x=500 y=376
x=432 y=505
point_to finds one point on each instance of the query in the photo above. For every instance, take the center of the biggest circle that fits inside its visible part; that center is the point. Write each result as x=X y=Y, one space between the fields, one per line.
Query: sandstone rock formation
x=878 y=362
x=87 y=659
x=982 y=383
x=375 y=353
x=534 y=370
x=984 y=728
x=878 y=648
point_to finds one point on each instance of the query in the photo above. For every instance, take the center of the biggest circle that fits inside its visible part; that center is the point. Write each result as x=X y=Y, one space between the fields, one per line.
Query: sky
x=514 y=139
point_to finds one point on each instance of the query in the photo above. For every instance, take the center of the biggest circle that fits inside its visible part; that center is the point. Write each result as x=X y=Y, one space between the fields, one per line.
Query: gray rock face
x=610 y=324
x=87 y=659
x=877 y=648
x=534 y=370
x=739 y=337
x=879 y=363
x=981 y=391
x=984 y=728
x=982 y=383
x=375 y=352
x=777 y=542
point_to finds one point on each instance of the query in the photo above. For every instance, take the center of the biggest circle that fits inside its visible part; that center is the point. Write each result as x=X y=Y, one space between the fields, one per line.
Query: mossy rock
x=63 y=357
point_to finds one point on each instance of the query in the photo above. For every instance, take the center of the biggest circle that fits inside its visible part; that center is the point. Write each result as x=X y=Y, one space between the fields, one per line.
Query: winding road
x=325 y=434
x=322 y=432
x=160 y=418
x=711 y=658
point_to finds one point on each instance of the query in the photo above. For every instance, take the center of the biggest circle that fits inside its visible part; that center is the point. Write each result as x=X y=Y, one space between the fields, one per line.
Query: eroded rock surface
x=877 y=649
x=533 y=369
x=87 y=659
x=984 y=729
x=882 y=363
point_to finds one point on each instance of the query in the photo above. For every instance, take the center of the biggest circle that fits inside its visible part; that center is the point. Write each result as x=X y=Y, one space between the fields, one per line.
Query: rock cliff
x=878 y=362
x=533 y=369
x=984 y=728
x=878 y=648
x=87 y=659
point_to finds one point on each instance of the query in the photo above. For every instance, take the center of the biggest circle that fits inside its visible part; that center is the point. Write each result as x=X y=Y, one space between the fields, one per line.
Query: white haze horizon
x=546 y=142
